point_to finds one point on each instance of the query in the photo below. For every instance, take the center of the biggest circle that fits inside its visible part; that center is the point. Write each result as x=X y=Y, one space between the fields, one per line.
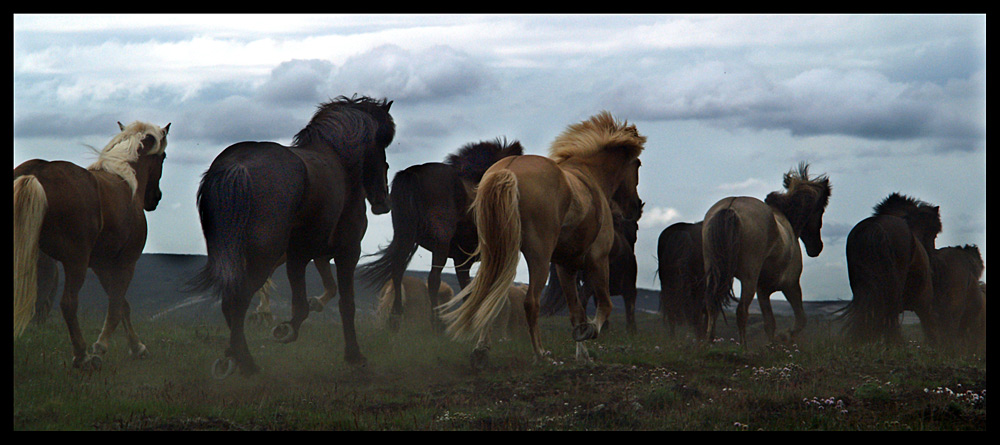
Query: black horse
x=260 y=202
x=430 y=209
x=959 y=301
x=888 y=264
x=622 y=272
x=681 y=269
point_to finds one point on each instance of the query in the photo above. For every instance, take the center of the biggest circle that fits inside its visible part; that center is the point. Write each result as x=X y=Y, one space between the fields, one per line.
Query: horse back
x=72 y=219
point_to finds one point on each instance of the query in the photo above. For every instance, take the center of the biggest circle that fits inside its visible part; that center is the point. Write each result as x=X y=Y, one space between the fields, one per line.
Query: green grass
x=416 y=380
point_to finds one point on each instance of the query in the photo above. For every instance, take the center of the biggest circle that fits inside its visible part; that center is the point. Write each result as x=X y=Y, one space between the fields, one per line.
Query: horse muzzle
x=381 y=208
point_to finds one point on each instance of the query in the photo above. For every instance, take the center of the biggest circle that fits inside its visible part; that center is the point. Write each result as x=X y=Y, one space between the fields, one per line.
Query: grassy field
x=416 y=380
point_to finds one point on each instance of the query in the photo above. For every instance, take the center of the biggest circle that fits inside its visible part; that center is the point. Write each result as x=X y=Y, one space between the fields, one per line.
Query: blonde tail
x=29 y=210
x=498 y=221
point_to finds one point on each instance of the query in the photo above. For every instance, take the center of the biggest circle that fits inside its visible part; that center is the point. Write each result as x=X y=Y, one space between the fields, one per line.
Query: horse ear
x=166 y=129
x=120 y=126
x=389 y=104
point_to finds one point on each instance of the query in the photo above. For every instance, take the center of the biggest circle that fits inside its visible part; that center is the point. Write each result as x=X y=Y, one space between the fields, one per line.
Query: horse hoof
x=356 y=359
x=479 y=359
x=283 y=333
x=99 y=349
x=315 y=305
x=585 y=331
x=223 y=368
x=88 y=362
x=139 y=353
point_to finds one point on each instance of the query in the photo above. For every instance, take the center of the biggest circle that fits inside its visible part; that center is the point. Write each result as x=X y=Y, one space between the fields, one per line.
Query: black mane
x=473 y=159
x=350 y=126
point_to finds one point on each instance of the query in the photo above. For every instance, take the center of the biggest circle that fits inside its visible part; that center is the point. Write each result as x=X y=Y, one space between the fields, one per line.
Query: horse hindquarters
x=876 y=284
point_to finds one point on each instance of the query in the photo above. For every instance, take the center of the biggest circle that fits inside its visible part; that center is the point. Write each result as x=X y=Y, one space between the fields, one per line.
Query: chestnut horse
x=552 y=209
x=888 y=265
x=681 y=269
x=430 y=209
x=261 y=202
x=959 y=301
x=91 y=217
x=757 y=242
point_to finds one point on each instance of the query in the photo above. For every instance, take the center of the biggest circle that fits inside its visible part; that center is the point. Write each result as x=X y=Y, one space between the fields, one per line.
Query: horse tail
x=407 y=225
x=722 y=245
x=30 y=205
x=675 y=251
x=877 y=287
x=224 y=201
x=498 y=222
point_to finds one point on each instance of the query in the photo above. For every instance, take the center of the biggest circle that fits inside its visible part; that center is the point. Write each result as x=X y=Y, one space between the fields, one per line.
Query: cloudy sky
x=729 y=103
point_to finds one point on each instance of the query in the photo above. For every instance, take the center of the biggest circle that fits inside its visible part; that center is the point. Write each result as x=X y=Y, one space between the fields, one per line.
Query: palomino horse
x=959 y=301
x=622 y=272
x=681 y=269
x=262 y=201
x=757 y=242
x=888 y=265
x=91 y=217
x=417 y=304
x=430 y=204
x=553 y=209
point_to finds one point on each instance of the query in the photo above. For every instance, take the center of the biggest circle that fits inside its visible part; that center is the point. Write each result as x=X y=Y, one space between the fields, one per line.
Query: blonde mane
x=594 y=135
x=117 y=156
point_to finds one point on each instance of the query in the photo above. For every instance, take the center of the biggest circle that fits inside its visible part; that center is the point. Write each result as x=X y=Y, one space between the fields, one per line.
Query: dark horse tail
x=676 y=252
x=877 y=287
x=407 y=225
x=722 y=246
x=223 y=207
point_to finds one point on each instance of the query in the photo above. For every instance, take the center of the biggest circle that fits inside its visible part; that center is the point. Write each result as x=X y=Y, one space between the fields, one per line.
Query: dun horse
x=758 y=243
x=959 y=301
x=260 y=202
x=681 y=269
x=430 y=209
x=552 y=209
x=91 y=217
x=415 y=300
x=888 y=265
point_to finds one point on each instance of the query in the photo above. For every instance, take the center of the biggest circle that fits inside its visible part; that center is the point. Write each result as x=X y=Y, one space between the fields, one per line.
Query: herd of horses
x=572 y=215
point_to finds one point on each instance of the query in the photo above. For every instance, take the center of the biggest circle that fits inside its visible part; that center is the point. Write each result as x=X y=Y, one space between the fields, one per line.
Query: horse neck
x=605 y=169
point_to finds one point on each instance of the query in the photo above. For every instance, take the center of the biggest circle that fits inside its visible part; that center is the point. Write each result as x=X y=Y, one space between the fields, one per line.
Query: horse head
x=151 y=155
x=627 y=194
x=804 y=203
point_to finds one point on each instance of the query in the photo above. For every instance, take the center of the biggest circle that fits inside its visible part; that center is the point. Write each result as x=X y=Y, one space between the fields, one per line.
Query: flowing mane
x=799 y=187
x=117 y=156
x=473 y=159
x=350 y=126
x=599 y=133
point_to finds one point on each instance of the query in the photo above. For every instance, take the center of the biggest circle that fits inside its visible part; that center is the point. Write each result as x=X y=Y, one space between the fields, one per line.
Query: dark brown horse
x=757 y=242
x=681 y=269
x=959 y=301
x=91 y=217
x=888 y=266
x=622 y=273
x=551 y=209
x=260 y=202
x=430 y=209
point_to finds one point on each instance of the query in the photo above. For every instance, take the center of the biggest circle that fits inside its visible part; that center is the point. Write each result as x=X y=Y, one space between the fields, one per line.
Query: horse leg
x=582 y=330
x=438 y=259
x=76 y=272
x=115 y=283
x=346 y=263
x=234 y=308
x=462 y=265
x=597 y=274
x=316 y=304
x=288 y=332
x=794 y=296
x=630 y=296
x=538 y=275
x=747 y=290
x=764 y=300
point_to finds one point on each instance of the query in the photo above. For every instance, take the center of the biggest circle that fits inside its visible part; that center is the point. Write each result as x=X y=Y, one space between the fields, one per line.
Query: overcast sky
x=729 y=103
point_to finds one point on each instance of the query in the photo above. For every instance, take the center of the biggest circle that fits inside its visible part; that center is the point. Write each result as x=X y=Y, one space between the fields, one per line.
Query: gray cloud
x=297 y=81
x=859 y=103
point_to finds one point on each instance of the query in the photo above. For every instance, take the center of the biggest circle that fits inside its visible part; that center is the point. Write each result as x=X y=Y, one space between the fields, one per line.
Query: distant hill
x=157 y=291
